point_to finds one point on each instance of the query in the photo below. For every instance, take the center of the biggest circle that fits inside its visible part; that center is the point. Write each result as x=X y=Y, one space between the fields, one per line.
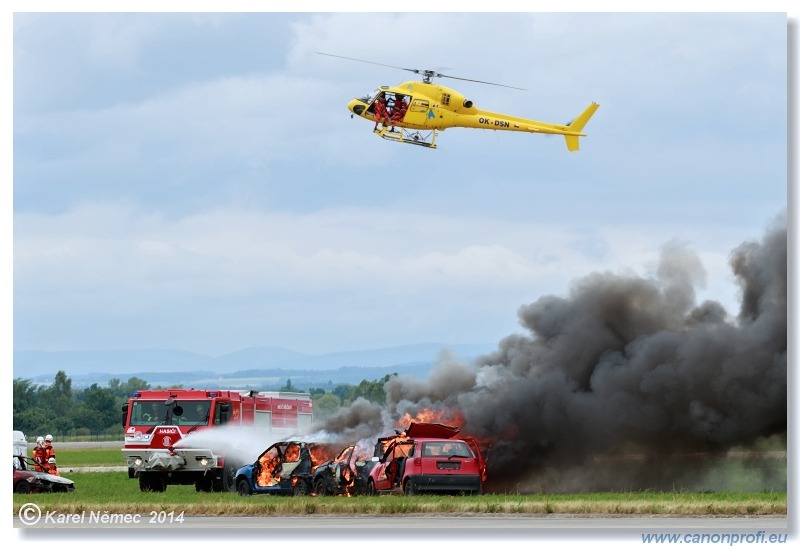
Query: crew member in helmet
x=381 y=111
x=398 y=109
x=51 y=466
x=39 y=457
x=49 y=451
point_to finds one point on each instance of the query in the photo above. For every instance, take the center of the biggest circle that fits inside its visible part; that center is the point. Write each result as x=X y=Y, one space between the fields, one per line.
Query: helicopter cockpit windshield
x=369 y=96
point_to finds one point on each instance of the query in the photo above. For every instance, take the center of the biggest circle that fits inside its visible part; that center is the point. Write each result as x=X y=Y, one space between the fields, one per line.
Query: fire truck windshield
x=153 y=413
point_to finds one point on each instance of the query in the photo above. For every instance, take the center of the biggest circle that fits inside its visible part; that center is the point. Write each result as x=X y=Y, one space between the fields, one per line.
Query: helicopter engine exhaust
x=467 y=103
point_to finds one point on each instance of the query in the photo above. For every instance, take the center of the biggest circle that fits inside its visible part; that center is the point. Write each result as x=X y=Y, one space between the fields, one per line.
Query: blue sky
x=194 y=180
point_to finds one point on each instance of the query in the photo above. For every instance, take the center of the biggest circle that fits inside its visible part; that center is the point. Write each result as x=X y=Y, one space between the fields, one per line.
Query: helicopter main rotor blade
x=371 y=62
x=480 y=82
x=426 y=74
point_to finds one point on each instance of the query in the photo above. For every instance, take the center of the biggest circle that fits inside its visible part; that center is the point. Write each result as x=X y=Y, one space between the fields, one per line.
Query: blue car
x=285 y=468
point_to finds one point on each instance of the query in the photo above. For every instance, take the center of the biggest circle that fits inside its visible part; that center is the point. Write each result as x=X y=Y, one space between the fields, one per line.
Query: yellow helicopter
x=414 y=111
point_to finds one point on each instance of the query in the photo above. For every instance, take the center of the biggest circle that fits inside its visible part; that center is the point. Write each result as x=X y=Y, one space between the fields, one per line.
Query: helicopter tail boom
x=577 y=125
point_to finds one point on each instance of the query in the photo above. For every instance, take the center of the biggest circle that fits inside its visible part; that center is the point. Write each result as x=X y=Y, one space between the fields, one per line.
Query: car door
x=473 y=443
x=382 y=478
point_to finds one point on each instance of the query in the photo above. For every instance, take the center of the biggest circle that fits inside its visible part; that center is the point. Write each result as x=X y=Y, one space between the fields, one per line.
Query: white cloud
x=117 y=248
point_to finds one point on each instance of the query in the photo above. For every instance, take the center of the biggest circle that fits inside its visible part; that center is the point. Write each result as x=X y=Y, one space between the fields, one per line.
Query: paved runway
x=526 y=525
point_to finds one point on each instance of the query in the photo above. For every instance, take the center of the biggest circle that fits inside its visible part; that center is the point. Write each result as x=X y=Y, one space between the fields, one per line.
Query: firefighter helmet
x=48 y=437
x=52 y=460
x=40 y=440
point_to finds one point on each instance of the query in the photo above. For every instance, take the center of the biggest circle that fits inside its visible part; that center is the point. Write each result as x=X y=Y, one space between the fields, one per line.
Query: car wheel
x=244 y=488
x=409 y=489
x=23 y=487
x=301 y=488
x=320 y=487
x=371 y=488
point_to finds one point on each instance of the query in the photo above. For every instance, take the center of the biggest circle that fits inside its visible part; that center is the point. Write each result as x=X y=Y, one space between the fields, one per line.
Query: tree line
x=57 y=408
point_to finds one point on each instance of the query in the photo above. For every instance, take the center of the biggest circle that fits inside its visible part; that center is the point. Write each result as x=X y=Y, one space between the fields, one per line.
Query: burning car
x=28 y=480
x=346 y=474
x=285 y=468
x=426 y=458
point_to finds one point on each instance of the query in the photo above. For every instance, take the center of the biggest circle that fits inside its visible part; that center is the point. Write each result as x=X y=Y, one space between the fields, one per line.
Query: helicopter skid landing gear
x=415 y=137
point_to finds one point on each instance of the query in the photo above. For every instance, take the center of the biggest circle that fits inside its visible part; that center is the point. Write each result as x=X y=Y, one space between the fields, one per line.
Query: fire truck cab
x=155 y=421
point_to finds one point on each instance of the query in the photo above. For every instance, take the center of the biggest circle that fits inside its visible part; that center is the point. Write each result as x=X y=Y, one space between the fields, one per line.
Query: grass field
x=114 y=492
x=78 y=458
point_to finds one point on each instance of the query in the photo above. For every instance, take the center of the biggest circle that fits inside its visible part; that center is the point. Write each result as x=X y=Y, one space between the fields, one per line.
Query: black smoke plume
x=627 y=383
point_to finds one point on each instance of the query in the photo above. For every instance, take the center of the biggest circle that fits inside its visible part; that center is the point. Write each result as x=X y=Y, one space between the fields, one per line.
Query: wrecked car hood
x=437 y=431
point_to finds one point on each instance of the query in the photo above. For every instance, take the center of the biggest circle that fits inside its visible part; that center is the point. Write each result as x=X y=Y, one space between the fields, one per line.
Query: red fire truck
x=164 y=444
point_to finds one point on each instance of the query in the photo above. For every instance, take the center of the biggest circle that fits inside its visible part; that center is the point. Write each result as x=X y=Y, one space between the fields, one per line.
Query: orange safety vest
x=399 y=110
x=39 y=458
x=380 y=110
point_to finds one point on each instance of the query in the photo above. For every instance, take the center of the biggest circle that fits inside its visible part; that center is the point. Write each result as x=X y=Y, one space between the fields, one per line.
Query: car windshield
x=342 y=456
x=152 y=413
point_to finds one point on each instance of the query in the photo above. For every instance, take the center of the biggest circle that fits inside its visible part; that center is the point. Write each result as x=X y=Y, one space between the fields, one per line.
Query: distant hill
x=257 y=367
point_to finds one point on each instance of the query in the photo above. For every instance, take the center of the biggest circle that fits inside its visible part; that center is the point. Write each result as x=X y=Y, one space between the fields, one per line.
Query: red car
x=30 y=481
x=427 y=459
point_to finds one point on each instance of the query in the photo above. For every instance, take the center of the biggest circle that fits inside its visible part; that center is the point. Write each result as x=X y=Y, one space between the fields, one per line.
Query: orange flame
x=448 y=417
x=321 y=452
x=349 y=475
x=268 y=464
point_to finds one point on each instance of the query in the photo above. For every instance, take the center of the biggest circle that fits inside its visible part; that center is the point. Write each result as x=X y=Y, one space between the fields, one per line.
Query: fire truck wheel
x=229 y=478
x=244 y=488
x=203 y=485
x=320 y=487
x=371 y=488
x=152 y=482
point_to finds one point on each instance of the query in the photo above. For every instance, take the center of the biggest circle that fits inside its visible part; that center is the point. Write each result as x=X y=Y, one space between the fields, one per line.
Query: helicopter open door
x=415 y=112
